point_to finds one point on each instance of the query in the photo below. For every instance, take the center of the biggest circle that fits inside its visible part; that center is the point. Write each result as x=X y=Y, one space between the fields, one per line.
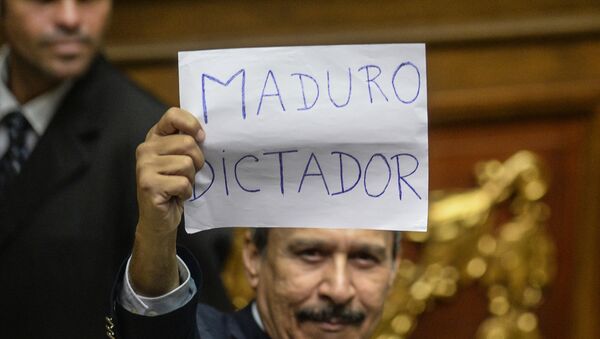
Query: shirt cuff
x=155 y=306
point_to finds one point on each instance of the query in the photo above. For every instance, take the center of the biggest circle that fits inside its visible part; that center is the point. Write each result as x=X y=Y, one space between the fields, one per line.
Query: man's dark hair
x=260 y=236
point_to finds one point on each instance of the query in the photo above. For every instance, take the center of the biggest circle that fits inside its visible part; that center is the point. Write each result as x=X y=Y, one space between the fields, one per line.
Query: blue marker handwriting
x=400 y=84
x=373 y=176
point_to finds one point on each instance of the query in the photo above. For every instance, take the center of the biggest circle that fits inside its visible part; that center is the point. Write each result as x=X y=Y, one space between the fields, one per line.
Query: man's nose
x=337 y=282
x=67 y=13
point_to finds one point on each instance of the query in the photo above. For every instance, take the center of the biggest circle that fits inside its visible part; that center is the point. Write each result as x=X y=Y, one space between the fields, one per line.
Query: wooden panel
x=159 y=78
x=586 y=277
x=240 y=20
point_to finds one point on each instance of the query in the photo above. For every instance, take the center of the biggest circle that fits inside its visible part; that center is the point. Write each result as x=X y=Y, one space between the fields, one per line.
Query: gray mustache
x=340 y=313
x=62 y=36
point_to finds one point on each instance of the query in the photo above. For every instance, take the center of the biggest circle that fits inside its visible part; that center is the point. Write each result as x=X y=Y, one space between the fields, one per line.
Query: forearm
x=166 y=165
x=154 y=269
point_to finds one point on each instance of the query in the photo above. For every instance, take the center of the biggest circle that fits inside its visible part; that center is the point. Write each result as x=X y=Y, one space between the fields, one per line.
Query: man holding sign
x=309 y=282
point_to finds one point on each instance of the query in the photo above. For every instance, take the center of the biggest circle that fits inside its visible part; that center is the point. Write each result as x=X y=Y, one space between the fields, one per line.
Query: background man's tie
x=17 y=152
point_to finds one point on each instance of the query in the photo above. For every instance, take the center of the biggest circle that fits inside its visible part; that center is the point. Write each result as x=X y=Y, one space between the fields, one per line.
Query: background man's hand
x=167 y=163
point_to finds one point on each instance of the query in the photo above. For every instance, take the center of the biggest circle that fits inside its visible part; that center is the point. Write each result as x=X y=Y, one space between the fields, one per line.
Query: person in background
x=69 y=125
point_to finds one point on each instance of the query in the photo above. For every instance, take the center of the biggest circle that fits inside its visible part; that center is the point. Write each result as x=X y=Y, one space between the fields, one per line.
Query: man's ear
x=252 y=259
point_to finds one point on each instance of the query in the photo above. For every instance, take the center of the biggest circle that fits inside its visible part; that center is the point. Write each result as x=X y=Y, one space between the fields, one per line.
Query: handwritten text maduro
x=401 y=84
x=336 y=173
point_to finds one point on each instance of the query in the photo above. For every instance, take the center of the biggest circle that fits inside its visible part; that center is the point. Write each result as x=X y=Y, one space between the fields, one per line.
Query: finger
x=160 y=189
x=175 y=121
x=177 y=186
x=177 y=144
x=181 y=165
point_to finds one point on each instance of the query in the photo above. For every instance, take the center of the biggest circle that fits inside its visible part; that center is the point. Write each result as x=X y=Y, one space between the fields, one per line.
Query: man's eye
x=365 y=259
x=311 y=255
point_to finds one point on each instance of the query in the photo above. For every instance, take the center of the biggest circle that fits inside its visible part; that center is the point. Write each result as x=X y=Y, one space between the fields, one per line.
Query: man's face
x=58 y=38
x=319 y=283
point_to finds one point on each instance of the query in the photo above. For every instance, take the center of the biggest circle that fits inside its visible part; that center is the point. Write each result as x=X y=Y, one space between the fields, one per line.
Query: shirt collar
x=38 y=111
x=256 y=316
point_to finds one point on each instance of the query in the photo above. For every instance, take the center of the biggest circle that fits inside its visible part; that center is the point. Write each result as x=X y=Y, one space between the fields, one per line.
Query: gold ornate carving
x=469 y=240
x=493 y=235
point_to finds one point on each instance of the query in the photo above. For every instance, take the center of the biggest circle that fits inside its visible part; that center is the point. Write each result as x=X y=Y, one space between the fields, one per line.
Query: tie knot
x=16 y=123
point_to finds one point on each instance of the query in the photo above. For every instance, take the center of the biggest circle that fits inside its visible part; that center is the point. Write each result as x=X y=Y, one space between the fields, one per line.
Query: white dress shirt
x=138 y=304
x=177 y=298
x=38 y=111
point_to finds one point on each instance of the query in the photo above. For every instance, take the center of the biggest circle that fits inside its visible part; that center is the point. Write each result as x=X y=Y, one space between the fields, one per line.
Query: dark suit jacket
x=193 y=321
x=68 y=220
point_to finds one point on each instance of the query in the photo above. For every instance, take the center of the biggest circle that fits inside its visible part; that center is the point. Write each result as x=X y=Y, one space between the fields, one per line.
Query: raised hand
x=167 y=163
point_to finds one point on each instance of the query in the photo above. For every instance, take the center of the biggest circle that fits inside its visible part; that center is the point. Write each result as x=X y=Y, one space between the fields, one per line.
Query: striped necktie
x=17 y=152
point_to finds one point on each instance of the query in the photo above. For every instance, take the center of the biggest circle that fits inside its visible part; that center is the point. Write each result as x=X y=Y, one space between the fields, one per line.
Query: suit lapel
x=62 y=153
x=247 y=324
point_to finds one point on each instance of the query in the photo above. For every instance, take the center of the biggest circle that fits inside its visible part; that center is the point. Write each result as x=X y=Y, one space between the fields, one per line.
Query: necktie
x=17 y=152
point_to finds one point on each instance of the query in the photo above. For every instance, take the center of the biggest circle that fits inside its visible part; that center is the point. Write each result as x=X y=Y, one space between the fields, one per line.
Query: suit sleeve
x=180 y=323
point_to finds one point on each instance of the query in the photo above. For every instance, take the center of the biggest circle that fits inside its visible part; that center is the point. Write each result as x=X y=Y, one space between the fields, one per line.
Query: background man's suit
x=67 y=222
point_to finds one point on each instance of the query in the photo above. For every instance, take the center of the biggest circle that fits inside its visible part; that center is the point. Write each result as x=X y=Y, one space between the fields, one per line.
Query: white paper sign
x=318 y=136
